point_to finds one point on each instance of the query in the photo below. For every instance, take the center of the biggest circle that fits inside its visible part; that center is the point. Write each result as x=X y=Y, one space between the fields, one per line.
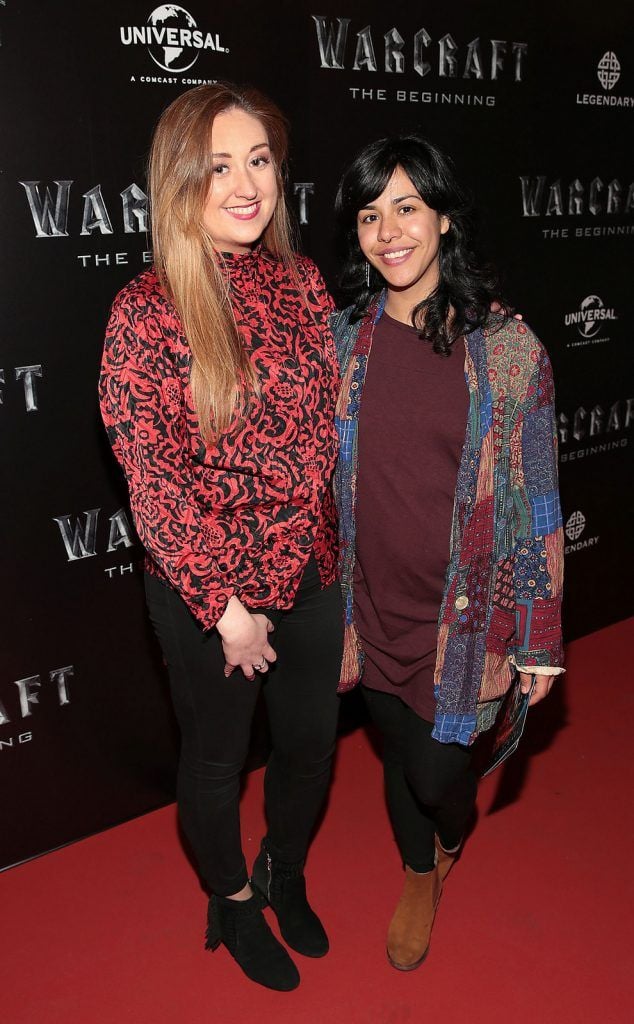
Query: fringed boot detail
x=241 y=927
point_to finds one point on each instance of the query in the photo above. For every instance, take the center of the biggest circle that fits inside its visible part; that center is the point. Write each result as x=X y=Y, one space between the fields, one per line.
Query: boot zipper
x=214 y=936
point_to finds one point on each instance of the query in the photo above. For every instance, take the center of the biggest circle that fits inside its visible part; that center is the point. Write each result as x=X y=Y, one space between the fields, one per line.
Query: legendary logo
x=608 y=70
x=575 y=526
x=608 y=73
x=172 y=38
x=590 y=316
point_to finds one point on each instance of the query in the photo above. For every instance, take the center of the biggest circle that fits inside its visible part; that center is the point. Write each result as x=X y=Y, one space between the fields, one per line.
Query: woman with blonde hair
x=218 y=387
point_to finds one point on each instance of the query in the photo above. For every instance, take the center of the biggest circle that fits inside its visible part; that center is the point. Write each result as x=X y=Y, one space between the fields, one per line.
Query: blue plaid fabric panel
x=346 y=430
x=454 y=728
x=546 y=513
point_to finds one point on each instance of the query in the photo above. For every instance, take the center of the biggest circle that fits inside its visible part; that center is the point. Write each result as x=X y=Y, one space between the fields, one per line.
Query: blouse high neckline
x=242 y=258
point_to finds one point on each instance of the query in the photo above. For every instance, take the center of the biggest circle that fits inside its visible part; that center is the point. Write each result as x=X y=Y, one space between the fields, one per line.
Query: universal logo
x=589 y=319
x=172 y=38
x=479 y=60
x=575 y=528
x=608 y=73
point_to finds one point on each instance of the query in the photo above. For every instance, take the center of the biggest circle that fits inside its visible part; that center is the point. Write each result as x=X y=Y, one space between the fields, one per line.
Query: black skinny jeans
x=215 y=716
x=430 y=787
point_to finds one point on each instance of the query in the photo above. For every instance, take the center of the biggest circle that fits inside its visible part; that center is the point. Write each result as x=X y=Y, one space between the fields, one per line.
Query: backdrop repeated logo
x=553 y=199
x=480 y=60
x=608 y=72
x=87 y=536
x=172 y=38
x=575 y=525
x=26 y=377
x=80 y=537
x=57 y=212
x=50 y=209
x=606 y=426
x=19 y=706
x=589 y=320
x=576 y=198
x=574 y=529
x=174 y=42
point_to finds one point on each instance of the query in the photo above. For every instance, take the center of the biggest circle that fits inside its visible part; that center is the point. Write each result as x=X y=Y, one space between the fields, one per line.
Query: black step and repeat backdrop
x=535 y=101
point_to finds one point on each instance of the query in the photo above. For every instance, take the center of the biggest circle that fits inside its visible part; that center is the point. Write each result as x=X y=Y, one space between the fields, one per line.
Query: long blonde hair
x=179 y=176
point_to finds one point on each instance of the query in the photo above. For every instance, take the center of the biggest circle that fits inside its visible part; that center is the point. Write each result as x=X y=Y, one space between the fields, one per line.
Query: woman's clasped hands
x=244 y=636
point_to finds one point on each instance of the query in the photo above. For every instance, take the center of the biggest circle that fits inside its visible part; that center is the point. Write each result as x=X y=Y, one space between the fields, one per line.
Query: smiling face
x=400 y=236
x=243 y=191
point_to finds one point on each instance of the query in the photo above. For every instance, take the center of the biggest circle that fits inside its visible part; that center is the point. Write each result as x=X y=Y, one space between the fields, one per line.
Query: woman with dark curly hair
x=449 y=513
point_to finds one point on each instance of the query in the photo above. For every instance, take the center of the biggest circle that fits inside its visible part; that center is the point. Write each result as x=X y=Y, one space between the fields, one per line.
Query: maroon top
x=242 y=515
x=411 y=432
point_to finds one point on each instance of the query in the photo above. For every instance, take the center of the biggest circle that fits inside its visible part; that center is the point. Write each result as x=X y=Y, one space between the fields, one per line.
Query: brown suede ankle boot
x=410 y=929
x=445 y=859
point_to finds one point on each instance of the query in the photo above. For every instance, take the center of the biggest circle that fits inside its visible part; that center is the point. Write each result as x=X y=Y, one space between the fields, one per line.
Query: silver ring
x=261 y=667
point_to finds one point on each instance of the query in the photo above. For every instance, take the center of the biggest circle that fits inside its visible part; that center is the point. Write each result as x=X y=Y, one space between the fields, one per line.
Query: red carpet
x=534 y=925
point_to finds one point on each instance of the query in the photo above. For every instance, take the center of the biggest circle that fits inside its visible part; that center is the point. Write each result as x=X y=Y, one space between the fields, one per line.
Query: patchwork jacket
x=501 y=606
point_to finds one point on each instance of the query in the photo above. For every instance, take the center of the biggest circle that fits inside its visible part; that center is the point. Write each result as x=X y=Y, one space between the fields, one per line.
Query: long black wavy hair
x=466 y=287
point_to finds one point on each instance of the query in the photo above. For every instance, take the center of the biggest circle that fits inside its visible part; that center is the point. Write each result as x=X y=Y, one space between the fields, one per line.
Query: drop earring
x=367 y=275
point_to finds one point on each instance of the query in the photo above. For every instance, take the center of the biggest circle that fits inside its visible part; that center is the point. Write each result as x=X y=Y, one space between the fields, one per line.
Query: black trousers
x=215 y=716
x=430 y=787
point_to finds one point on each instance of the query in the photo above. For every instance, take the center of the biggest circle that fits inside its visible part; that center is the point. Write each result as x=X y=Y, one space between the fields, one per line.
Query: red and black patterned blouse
x=240 y=516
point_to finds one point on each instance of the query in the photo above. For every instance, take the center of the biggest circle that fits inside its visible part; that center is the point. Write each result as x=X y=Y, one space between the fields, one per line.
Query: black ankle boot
x=240 y=925
x=283 y=886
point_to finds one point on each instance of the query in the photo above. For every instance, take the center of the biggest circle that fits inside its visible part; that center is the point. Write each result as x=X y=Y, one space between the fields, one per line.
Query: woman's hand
x=245 y=639
x=543 y=686
x=497 y=307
